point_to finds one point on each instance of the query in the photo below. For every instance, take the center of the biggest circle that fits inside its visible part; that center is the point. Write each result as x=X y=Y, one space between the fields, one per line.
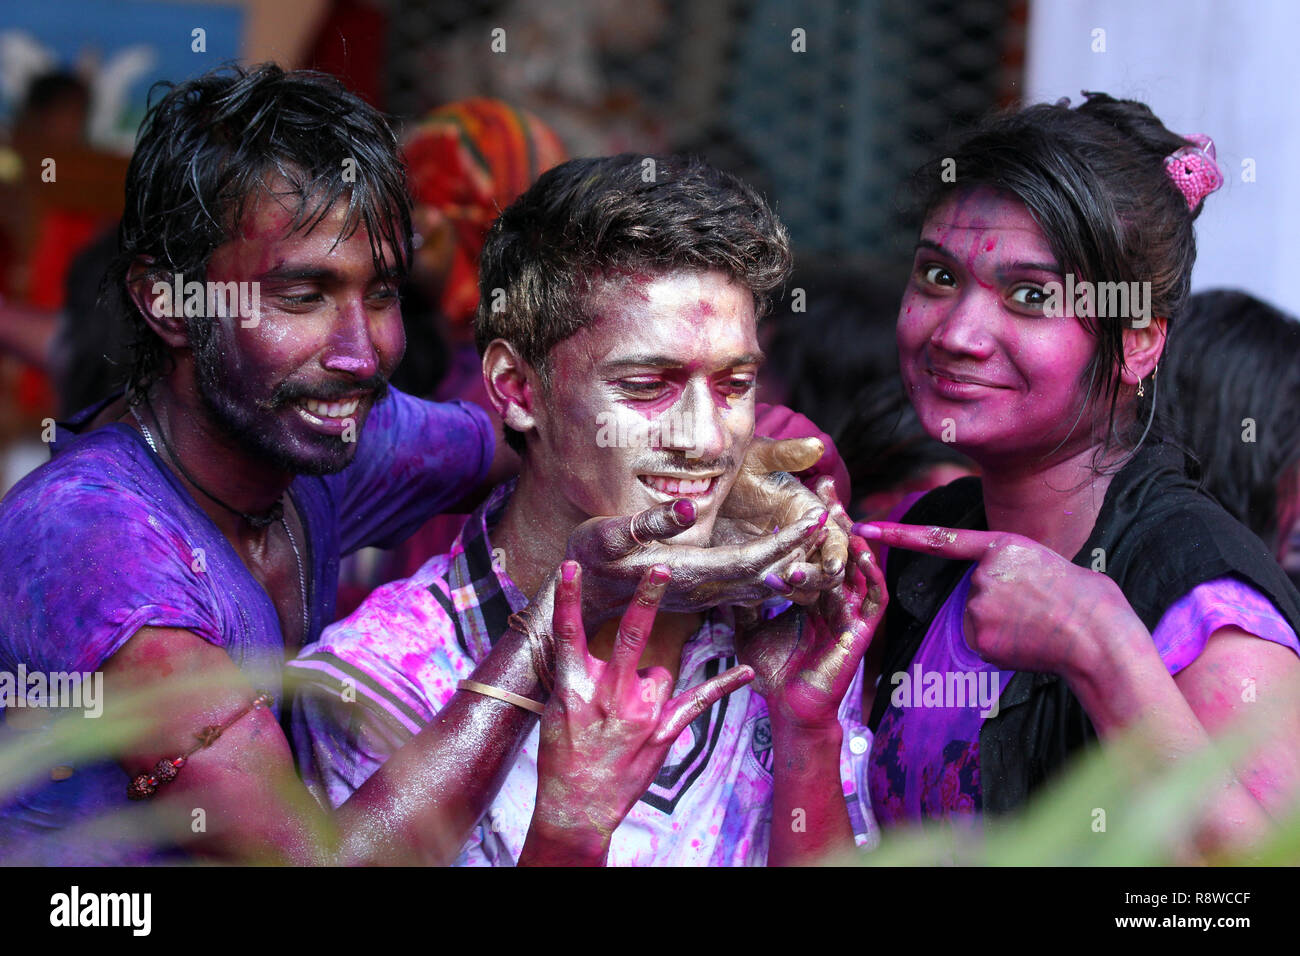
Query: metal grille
x=829 y=133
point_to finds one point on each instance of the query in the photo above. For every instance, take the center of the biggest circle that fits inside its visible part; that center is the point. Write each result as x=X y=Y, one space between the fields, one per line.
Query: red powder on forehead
x=988 y=246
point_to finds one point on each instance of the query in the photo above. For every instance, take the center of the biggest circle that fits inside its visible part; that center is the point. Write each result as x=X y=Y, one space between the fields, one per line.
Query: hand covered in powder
x=744 y=565
x=804 y=661
x=765 y=495
x=1029 y=608
x=607 y=727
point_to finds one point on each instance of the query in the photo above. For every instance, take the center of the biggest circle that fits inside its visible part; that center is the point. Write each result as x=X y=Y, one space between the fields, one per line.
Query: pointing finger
x=960 y=544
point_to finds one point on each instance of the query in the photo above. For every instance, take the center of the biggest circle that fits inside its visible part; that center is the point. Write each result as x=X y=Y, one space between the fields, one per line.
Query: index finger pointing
x=962 y=544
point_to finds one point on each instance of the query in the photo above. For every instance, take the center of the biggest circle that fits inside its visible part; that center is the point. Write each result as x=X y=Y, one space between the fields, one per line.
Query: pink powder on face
x=703 y=309
x=309 y=336
x=960 y=319
x=676 y=363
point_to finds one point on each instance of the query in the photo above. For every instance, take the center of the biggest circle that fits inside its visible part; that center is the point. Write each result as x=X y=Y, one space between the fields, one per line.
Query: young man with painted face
x=618 y=330
x=188 y=533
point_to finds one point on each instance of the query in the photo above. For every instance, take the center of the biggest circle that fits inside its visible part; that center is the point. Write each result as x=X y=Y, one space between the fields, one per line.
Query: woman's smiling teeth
x=679 y=486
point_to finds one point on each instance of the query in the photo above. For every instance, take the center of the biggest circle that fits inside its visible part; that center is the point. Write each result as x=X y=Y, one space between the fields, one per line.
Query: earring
x=1141 y=391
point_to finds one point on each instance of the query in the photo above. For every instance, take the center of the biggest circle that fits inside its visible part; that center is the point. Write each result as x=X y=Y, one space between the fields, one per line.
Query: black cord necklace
x=264 y=520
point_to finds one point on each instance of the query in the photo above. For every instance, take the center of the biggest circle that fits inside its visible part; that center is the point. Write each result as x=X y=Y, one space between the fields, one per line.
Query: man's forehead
x=273 y=210
x=278 y=229
x=685 y=294
x=668 y=320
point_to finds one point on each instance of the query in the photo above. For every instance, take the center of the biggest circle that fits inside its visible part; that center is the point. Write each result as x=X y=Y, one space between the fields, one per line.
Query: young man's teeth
x=676 y=486
x=331 y=409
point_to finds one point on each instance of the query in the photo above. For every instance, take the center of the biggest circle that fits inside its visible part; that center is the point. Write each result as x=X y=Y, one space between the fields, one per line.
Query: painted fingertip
x=776 y=584
x=660 y=574
x=868 y=531
x=684 y=511
x=568 y=571
x=797 y=577
x=821 y=522
x=833 y=566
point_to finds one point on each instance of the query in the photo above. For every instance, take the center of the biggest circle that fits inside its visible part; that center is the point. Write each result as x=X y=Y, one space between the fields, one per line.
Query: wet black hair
x=210 y=145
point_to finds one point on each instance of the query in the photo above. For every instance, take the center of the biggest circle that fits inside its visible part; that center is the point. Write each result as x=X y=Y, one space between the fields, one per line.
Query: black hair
x=833 y=332
x=88 y=356
x=1093 y=178
x=210 y=144
x=51 y=89
x=1233 y=373
x=589 y=218
x=883 y=443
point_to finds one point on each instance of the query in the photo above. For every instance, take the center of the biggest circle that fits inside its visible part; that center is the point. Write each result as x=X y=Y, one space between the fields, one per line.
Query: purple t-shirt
x=925 y=757
x=104 y=540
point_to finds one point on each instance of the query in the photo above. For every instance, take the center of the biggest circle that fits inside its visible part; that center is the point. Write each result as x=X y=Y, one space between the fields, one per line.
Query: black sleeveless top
x=1159 y=537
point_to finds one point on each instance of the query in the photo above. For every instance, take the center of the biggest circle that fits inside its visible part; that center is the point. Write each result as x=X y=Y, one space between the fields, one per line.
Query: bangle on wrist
x=487 y=690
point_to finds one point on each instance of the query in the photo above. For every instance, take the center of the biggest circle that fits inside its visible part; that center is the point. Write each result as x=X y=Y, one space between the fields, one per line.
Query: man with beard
x=186 y=534
x=623 y=360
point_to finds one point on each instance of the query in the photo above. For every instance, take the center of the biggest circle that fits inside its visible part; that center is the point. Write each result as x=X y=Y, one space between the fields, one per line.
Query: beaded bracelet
x=144 y=785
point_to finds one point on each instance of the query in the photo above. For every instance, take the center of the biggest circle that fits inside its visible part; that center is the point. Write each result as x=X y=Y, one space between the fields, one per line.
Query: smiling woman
x=1053 y=396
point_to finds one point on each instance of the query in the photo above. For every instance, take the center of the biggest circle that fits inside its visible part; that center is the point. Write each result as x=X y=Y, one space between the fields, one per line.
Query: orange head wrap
x=469 y=160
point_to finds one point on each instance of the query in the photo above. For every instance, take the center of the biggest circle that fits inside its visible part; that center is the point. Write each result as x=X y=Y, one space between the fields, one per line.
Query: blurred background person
x=466 y=162
x=57 y=193
x=1232 y=370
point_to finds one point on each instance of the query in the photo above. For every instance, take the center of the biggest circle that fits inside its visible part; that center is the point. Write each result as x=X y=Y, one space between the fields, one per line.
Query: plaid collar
x=483 y=596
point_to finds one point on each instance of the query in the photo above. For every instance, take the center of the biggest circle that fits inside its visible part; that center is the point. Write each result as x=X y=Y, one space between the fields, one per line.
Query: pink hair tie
x=1193 y=169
